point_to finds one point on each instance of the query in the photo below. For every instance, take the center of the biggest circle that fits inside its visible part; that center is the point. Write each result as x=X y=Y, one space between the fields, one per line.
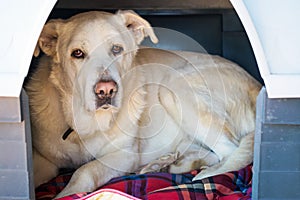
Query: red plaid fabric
x=159 y=186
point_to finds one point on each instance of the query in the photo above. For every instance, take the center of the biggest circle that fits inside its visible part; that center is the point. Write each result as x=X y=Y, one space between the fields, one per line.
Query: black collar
x=67 y=133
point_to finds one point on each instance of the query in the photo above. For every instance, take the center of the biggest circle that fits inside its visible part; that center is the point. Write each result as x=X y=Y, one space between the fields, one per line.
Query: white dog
x=124 y=107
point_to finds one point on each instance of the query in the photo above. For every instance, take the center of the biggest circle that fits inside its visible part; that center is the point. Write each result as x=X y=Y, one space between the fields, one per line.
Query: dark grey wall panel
x=232 y=23
x=143 y=4
x=236 y=47
x=280 y=156
x=279 y=185
x=206 y=30
x=276 y=165
x=282 y=111
x=280 y=133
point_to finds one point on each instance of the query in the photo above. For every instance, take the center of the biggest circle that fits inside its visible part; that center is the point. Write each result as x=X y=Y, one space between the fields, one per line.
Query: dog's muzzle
x=105 y=91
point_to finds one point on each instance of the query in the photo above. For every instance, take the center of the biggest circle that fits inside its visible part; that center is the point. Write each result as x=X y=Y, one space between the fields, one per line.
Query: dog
x=105 y=106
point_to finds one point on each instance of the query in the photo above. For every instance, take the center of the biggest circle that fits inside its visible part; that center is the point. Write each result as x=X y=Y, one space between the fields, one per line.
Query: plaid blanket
x=158 y=186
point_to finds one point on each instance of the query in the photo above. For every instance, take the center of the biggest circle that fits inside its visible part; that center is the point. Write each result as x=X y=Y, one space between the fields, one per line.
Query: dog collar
x=67 y=133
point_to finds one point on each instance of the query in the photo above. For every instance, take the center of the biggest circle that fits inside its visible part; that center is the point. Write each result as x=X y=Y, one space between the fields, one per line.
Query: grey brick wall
x=16 y=178
x=277 y=149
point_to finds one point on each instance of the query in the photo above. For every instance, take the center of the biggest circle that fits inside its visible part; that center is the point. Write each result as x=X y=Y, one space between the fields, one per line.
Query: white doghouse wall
x=271 y=29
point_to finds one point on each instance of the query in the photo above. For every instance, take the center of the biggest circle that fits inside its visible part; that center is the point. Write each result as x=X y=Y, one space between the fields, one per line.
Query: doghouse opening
x=216 y=28
x=212 y=23
x=218 y=31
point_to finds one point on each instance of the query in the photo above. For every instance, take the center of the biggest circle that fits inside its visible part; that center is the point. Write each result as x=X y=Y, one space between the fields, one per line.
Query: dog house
x=260 y=35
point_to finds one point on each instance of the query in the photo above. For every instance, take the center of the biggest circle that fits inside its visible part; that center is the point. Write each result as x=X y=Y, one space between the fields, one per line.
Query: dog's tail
x=240 y=158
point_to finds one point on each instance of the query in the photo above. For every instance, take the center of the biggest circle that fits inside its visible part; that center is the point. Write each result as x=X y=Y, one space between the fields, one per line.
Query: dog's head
x=91 y=53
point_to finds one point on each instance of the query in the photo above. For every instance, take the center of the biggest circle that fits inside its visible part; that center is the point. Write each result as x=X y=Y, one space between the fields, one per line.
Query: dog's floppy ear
x=48 y=38
x=140 y=27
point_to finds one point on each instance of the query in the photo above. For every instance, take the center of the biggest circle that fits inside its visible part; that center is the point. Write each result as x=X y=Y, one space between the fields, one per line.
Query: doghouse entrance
x=213 y=24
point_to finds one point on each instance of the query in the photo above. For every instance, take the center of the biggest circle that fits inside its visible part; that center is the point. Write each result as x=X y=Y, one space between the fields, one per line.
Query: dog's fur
x=198 y=105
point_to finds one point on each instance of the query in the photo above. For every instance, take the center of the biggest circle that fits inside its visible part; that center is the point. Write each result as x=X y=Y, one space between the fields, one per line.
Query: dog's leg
x=88 y=178
x=195 y=157
x=240 y=158
x=44 y=170
x=191 y=160
x=213 y=131
x=94 y=174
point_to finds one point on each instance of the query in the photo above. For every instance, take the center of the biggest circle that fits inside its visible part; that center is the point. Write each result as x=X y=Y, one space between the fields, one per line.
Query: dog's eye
x=116 y=49
x=77 y=54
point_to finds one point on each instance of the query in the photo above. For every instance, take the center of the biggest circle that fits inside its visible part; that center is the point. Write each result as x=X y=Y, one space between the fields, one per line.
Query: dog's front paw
x=206 y=172
x=77 y=184
x=64 y=193
x=201 y=175
x=60 y=195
